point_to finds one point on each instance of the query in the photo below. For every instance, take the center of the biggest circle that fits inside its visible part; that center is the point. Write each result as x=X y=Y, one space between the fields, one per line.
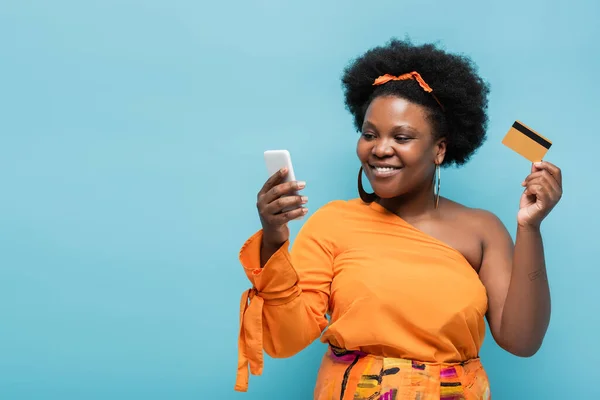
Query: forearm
x=526 y=312
x=280 y=317
x=266 y=252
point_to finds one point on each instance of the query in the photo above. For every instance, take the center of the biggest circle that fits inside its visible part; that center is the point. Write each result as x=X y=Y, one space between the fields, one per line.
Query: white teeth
x=385 y=169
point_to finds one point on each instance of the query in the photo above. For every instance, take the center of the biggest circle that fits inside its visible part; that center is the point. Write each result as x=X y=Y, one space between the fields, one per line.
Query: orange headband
x=411 y=75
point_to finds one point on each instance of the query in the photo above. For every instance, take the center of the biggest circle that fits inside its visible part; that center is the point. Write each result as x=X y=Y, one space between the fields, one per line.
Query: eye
x=368 y=136
x=402 y=139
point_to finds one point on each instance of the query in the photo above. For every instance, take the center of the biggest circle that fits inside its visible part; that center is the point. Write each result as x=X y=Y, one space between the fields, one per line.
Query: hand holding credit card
x=543 y=186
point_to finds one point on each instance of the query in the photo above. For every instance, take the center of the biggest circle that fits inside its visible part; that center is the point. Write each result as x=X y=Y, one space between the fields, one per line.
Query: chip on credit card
x=526 y=142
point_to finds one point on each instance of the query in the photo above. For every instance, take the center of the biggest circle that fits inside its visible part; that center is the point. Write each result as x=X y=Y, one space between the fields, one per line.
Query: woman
x=405 y=275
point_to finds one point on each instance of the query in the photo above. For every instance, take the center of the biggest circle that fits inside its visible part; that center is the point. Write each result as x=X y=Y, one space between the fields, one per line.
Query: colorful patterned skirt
x=352 y=375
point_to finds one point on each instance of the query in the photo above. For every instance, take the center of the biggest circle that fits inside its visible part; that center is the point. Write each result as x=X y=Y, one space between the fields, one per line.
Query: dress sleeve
x=286 y=308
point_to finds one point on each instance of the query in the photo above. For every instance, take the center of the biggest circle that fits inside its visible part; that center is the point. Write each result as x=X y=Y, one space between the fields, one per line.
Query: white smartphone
x=277 y=159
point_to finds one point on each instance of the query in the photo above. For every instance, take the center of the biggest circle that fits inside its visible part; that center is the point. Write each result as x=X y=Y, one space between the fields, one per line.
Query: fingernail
x=538 y=164
x=304 y=199
x=523 y=183
x=283 y=170
x=304 y=210
x=301 y=185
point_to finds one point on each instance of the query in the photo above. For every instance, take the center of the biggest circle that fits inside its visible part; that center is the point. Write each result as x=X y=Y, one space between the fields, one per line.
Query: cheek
x=363 y=150
x=410 y=153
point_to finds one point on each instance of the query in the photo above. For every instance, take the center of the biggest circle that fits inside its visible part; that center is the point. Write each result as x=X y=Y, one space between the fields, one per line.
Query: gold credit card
x=526 y=142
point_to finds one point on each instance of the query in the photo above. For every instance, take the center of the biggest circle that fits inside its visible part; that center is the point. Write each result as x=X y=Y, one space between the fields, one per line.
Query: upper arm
x=496 y=267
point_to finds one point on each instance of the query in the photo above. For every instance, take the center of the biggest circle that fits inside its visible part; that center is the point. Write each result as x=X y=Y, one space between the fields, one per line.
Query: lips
x=384 y=171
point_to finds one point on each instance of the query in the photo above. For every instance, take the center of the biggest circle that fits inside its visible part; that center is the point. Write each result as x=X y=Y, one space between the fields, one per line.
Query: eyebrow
x=368 y=124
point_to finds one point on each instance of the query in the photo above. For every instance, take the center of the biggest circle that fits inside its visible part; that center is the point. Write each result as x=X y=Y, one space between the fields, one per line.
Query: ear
x=440 y=150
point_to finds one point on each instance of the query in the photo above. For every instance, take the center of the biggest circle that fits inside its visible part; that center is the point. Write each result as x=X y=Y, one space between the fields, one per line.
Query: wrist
x=270 y=247
x=270 y=244
x=529 y=228
x=267 y=250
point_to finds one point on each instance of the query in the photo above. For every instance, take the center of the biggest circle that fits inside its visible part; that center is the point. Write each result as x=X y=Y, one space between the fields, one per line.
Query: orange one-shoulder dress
x=406 y=311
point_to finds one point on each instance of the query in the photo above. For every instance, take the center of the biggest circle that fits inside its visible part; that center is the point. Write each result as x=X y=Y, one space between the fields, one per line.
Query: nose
x=382 y=148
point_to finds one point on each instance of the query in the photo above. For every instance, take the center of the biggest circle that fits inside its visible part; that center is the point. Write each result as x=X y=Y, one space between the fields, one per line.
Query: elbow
x=524 y=343
x=282 y=353
x=524 y=352
x=286 y=348
x=288 y=344
x=523 y=349
x=282 y=350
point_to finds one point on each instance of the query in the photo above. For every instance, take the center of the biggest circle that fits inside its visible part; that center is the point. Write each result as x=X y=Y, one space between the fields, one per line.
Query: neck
x=411 y=206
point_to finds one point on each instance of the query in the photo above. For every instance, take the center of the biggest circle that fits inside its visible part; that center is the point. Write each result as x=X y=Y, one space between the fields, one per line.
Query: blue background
x=131 y=149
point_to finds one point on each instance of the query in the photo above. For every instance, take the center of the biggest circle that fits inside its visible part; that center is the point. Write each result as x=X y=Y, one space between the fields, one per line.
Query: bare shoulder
x=477 y=220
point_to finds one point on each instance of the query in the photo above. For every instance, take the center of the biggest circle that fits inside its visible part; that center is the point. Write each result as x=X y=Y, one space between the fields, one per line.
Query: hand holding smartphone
x=276 y=160
x=279 y=200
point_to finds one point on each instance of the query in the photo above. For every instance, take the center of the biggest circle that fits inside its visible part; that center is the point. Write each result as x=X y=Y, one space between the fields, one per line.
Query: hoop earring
x=436 y=185
x=366 y=197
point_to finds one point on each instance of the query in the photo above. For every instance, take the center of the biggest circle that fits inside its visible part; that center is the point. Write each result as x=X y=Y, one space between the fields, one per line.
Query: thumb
x=537 y=167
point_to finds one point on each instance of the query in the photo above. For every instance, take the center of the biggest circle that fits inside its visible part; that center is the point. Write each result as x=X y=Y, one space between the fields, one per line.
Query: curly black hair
x=453 y=78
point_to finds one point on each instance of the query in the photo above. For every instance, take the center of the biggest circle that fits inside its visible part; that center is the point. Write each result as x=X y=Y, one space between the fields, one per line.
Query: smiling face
x=397 y=148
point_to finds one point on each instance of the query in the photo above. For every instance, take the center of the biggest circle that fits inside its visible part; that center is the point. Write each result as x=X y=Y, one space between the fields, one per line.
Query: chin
x=386 y=194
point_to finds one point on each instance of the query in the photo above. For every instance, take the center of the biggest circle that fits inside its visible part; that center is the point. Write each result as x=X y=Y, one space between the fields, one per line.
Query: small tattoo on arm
x=539 y=274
